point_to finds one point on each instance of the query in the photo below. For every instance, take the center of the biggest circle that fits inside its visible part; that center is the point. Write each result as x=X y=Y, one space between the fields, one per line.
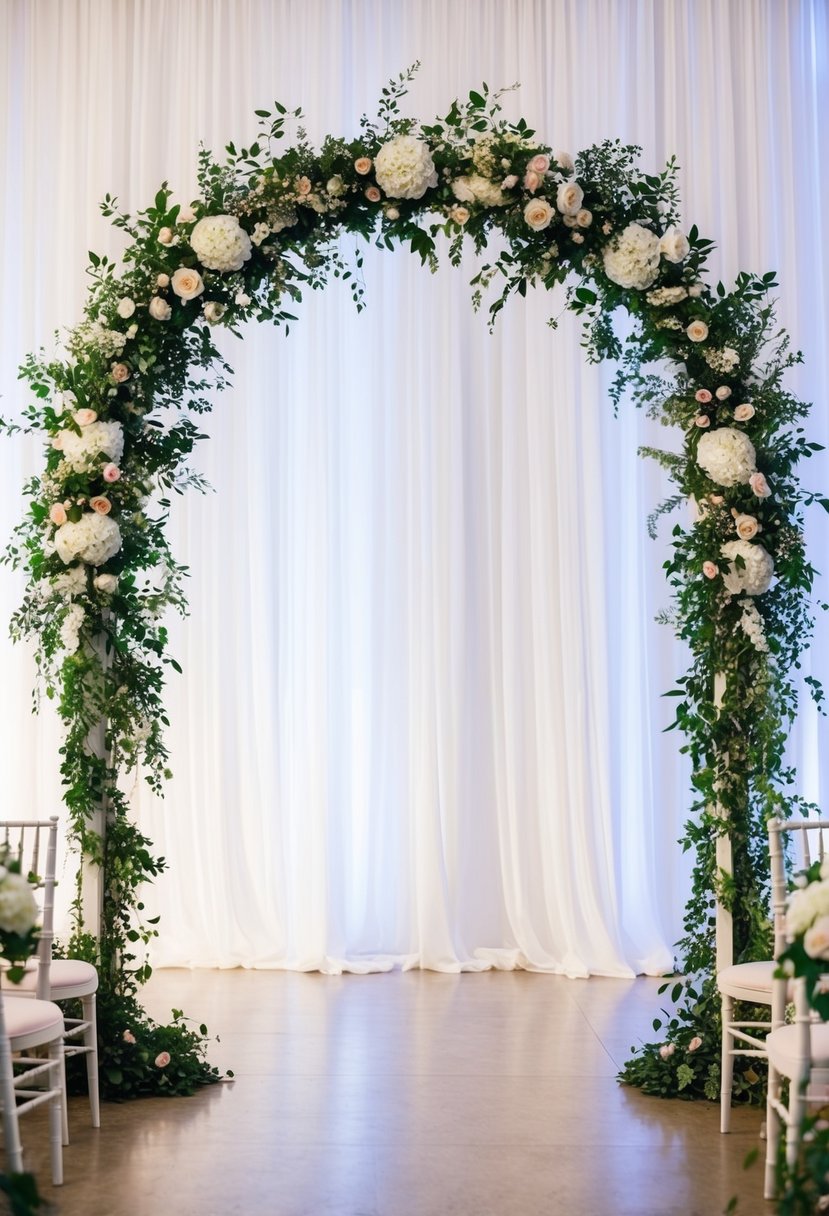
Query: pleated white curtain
x=420 y=718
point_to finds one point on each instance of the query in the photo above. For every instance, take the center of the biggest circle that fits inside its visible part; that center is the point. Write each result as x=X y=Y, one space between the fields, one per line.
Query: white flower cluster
x=723 y=361
x=220 y=243
x=404 y=167
x=807 y=905
x=751 y=624
x=69 y=584
x=664 y=297
x=18 y=909
x=754 y=576
x=71 y=627
x=110 y=342
x=94 y=539
x=632 y=258
x=727 y=456
x=477 y=189
x=99 y=438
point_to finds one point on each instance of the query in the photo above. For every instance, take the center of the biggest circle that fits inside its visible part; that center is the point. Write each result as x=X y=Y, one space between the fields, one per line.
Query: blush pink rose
x=303 y=186
x=120 y=372
x=716 y=500
x=723 y=392
x=509 y=181
x=744 y=412
x=111 y=473
x=372 y=194
x=709 y=570
x=667 y=1050
x=101 y=504
x=165 y=236
x=697 y=331
x=362 y=165
x=162 y=1059
x=695 y=1043
x=57 y=514
x=702 y=395
x=702 y=420
x=539 y=164
x=531 y=181
x=128 y=1036
x=759 y=485
x=85 y=417
x=747 y=527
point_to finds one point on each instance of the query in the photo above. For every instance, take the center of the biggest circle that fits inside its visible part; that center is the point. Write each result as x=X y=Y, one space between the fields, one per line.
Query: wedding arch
x=117 y=410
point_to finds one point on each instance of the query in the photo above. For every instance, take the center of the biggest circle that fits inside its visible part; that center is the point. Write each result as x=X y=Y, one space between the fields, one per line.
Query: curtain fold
x=420 y=722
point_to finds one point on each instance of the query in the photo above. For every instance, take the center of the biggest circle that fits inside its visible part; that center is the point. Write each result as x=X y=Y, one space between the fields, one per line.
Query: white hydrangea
x=723 y=361
x=727 y=456
x=69 y=584
x=752 y=626
x=754 y=576
x=71 y=627
x=632 y=258
x=220 y=243
x=18 y=909
x=94 y=539
x=97 y=439
x=477 y=189
x=404 y=167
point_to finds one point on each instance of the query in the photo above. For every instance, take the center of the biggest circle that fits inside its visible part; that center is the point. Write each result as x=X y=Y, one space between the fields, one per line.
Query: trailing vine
x=119 y=409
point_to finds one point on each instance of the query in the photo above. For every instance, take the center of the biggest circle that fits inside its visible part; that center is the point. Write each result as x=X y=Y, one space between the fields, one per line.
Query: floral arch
x=116 y=410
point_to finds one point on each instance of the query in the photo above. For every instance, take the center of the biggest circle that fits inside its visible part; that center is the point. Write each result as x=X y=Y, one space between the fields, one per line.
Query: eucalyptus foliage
x=144 y=357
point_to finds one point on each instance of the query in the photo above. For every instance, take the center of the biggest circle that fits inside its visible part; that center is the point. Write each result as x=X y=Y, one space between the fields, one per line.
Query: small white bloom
x=159 y=309
x=165 y=236
x=242 y=299
x=126 y=307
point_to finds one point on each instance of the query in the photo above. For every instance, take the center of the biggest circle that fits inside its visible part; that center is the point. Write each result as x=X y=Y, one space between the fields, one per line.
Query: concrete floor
x=411 y=1094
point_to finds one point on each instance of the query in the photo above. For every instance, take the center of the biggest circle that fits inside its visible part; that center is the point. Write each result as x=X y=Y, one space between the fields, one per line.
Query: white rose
x=106 y=583
x=564 y=161
x=334 y=186
x=538 y=214
x=165 y=236
x=213 y=311
x=242 y=299
x=126 y=307
x=816 y=939
x=462 y=190
x=160 y=309
x=186 y=215
x=697 y=331
x=674 y=245
x=569 y=198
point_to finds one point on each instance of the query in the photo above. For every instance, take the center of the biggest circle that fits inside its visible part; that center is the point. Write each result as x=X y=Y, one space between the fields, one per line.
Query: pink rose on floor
x=187 y=283
x=120 y=372
x=101 y=504
x=57 y=514
x=709 y=570
x=531 y=181
x=372 y=194
x=85 y=417
x=111 y=473
x=667 y=1050
x=702 y=420
x=744 y=412
x=697 y=331
x=695 y=1043
x=162 y=1059
x=759 y=485
x=702 y=395
x=723 y=392
x=362 y=165
x=128 y=1036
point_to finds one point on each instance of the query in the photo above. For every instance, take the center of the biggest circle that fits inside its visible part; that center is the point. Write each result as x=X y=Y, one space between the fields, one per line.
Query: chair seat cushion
x=33 y=1021
x=782 y=1046
x=67 y=977
x=748 y=977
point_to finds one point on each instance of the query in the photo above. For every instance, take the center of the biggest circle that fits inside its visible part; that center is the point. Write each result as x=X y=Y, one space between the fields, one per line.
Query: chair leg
x=726 y=1063
x=64 y=1108
x=90 y=1039
x=56 y=1105
x=797 y=1112
x=772 y=1135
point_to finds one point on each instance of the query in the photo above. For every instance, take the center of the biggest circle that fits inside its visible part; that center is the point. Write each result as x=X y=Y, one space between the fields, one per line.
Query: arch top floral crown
x=116 y=411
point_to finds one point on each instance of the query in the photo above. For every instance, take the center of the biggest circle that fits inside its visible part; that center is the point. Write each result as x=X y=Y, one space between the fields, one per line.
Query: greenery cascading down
x=119 y=408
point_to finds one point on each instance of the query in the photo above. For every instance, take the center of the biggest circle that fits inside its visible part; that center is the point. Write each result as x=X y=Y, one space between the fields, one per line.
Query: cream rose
x=747 y=526
x=697 y=331
x=126 y=307
x=816 y=939
x=106 y=583
x=569 y=198
x=159 y=309
x=744 y=412
x=674 y=245
x=187 y=283
x=759 y=486
x=538 y=214
x=362 y=165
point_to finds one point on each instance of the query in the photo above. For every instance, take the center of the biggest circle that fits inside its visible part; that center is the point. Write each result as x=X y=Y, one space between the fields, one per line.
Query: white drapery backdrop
x=420 y=717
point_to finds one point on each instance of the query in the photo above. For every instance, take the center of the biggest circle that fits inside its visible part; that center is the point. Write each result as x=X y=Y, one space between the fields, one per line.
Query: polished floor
x=411 y=1094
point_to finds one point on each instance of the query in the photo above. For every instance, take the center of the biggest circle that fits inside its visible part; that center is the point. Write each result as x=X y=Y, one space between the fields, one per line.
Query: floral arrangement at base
x=117 y=410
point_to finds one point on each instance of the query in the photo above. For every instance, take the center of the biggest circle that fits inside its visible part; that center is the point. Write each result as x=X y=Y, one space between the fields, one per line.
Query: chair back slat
x=27 y=840
x=807 y=839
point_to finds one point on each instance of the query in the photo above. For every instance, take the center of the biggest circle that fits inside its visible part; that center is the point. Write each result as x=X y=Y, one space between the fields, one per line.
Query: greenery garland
x=119 y=410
